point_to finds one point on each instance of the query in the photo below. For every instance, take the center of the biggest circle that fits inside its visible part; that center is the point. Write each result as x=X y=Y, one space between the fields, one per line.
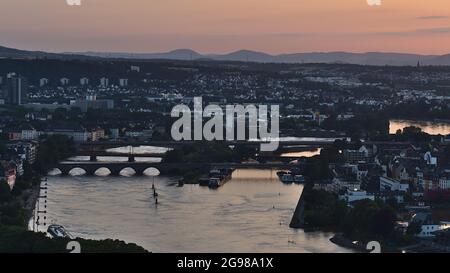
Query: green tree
x=369 y=219
x=414 y=228
x=52 y=150
x=5 y=192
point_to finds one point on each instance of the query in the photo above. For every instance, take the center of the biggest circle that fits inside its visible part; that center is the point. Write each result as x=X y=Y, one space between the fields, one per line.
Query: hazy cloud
x=440 y=30
x=435 y=17
x=434 y=30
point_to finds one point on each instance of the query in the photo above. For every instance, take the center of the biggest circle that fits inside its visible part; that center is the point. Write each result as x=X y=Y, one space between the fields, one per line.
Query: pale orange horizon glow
x=218 y=26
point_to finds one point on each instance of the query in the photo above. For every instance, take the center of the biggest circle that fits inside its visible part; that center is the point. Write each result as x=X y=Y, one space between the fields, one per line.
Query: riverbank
x=298 y=220
x=30 y=198
x=319 y=210
x=17 y=237
x=17 y=240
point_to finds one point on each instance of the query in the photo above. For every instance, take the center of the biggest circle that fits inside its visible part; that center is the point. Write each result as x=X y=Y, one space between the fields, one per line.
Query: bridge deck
x=165 y=168
x=115 y=154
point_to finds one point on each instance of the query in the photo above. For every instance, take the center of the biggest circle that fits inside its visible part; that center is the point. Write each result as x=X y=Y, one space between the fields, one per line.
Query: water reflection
x=311 y=153
x=103 y=172
x=140 y=150
x=251 y=213
x=432 y=128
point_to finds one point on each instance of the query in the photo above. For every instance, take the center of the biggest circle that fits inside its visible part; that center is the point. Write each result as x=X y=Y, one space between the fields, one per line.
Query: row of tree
x=366 y=220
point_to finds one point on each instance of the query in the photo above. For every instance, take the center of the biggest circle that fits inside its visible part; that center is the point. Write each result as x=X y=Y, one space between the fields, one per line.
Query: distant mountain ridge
x=368 y=58
x=6 y=52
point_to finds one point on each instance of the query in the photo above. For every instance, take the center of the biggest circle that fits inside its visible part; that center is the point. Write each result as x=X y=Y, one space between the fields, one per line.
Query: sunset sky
x=220 y=26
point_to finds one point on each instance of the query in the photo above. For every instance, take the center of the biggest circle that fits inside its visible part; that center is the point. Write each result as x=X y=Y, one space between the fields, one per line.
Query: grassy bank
x=19 y=240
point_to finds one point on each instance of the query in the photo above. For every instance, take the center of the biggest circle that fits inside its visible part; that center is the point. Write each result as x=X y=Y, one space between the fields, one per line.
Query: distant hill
x=369 y=58
x=440 y=60
x=245 y=56
x=6 y=52
x=179 y=54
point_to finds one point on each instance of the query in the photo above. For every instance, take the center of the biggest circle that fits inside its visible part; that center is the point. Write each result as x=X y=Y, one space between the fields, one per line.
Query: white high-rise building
x=84 y=81
x=104 y=82
x=123 y=82
x=135 y=68
x=64 y=81
x=16 y=89
x=43 y=82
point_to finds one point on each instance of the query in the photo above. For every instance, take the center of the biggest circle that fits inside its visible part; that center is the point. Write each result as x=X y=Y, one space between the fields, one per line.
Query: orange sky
x=274 y=26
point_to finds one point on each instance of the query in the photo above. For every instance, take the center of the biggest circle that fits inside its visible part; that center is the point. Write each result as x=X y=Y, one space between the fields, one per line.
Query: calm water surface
x=432 y=128
x=251 y=213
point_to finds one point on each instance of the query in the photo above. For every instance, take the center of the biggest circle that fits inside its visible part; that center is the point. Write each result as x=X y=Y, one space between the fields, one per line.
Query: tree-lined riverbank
x=17 y=206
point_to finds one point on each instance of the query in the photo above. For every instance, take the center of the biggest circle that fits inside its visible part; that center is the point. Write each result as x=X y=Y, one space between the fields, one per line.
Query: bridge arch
x=77 y=171
x=103 y=171
x=128 y=171
x=55 y=172
x=151 y=171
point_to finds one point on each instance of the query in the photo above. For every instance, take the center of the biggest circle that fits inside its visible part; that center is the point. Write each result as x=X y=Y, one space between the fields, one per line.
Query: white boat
x=57 y=231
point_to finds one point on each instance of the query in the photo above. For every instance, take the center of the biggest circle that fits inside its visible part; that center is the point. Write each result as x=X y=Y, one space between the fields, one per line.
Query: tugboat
x=204 y=181
x=218 y=177
x=214 y=183
x=57 y=231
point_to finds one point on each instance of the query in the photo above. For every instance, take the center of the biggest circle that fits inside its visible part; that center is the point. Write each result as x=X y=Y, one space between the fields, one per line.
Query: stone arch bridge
x=164 y=168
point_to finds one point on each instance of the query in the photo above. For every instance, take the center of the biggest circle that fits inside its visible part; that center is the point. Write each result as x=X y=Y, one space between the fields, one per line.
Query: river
x=250 y=213
x=430 y=127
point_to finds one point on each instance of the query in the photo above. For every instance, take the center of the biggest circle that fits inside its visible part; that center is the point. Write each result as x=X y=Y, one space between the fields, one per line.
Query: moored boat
x=214 y=183
x=58 y=231
x=204 y=181
x=218 y=177
x=287 y=178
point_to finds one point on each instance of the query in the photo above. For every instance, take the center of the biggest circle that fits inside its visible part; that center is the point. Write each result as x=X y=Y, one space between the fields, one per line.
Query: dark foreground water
x=251 y=213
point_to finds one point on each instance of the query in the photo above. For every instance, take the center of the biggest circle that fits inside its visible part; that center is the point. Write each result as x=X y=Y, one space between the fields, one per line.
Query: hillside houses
x=389 y=172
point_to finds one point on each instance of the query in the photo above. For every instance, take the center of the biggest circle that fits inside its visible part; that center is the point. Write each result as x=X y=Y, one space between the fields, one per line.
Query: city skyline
x=275 y=27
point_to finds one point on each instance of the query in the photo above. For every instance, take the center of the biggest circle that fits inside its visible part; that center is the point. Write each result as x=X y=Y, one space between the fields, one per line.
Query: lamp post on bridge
x=131 y=157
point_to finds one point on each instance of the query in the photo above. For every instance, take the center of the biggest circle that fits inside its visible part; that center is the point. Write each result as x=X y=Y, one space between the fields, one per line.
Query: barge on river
x=216 y=178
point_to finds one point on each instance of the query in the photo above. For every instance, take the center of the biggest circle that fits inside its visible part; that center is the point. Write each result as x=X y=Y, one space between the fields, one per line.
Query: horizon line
x=223 y=52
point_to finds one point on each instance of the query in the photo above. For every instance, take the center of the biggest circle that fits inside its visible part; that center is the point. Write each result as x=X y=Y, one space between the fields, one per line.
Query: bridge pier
x=115 y=172
x=90 y=172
